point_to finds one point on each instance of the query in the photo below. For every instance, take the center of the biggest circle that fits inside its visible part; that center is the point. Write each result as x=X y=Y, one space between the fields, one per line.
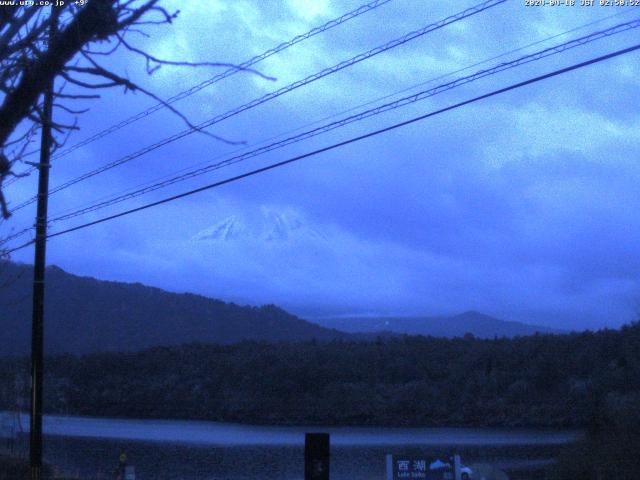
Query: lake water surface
x=190 y=450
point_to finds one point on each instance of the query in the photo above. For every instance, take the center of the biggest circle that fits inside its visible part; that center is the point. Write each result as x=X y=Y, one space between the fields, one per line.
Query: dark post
x=457 y=474
x=316 y=456
x=37 y=323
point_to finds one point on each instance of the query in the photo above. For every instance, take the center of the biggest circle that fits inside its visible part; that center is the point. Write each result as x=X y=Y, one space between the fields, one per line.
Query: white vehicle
x=465 y=472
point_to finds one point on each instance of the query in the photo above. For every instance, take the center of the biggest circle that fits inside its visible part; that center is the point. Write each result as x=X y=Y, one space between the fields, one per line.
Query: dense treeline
x=543 y=380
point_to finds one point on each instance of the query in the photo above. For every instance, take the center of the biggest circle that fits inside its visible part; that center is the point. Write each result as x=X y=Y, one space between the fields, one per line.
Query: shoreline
x=227 y=433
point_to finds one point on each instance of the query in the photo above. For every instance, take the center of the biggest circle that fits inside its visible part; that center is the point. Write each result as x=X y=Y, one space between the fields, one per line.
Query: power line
x=15 y=235
x=131 y=190
x=362 y=9
x=537 y=42
x=277 y=93
x=341 y=144
x=360 y=116
x=171 y=179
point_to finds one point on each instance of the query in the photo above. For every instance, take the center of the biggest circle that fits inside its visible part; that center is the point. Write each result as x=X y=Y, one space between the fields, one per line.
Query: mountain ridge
x=87 y=315
x=470 y=322
x=130 y=316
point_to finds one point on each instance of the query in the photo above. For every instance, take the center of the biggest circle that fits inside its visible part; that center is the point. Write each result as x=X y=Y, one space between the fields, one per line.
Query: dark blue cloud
x=522 y=205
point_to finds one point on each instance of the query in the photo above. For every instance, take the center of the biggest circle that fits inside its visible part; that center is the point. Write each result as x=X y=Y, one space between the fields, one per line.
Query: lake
x=198 y=450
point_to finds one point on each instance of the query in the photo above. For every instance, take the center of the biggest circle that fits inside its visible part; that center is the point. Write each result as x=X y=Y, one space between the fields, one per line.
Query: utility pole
x=37 y=321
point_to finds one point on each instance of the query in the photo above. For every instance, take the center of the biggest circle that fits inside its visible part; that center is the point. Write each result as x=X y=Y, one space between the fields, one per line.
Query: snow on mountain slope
x=279 y=254
x=269 y=225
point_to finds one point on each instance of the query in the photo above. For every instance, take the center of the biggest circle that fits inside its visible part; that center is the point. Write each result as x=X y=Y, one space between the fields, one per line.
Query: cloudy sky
x=523 y=206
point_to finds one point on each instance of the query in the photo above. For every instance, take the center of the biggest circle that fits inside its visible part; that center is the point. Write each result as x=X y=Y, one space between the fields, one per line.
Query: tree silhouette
x=31 y=55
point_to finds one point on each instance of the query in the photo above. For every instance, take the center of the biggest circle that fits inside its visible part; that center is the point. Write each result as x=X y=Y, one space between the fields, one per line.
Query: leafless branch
x=31 y=56
x=159 y=61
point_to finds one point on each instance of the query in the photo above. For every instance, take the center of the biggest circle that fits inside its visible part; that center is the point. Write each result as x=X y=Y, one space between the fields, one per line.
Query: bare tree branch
x=97 y=20
x=129 y=85
x=159 y=61
x=31 y=58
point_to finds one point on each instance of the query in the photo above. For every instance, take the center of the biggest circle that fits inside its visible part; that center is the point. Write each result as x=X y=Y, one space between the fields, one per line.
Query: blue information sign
x=407 y=467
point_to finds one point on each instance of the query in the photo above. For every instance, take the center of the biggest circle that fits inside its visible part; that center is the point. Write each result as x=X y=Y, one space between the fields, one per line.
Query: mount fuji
x=268 y=226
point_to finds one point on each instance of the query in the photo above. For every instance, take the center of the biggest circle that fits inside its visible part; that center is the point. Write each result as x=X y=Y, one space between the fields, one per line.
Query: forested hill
x=87 y=315
x=573 y=380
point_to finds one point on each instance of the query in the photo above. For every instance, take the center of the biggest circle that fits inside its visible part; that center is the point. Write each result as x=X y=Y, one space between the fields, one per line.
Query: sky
x=523 y=205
